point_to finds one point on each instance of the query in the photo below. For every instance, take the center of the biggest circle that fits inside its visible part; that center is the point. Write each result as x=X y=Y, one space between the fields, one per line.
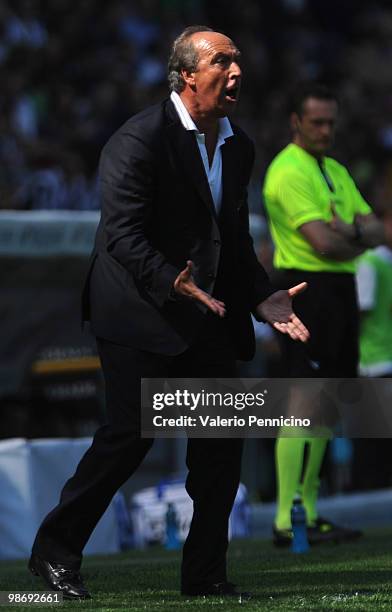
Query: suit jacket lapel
x=229 y=173
x=188 y=154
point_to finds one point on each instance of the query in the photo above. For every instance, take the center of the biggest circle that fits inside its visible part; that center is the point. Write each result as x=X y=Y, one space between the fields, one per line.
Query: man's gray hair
x=183 y=56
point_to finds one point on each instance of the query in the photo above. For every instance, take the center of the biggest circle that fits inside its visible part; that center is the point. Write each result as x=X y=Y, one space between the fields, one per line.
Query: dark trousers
x=329 y=309
x=117 y=450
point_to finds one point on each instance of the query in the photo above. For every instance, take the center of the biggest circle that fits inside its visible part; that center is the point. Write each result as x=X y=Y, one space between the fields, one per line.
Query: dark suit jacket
x=158 y=212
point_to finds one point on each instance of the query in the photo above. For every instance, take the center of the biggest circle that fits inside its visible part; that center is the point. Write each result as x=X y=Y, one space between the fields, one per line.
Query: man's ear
x=294 y=122
x=189 y=78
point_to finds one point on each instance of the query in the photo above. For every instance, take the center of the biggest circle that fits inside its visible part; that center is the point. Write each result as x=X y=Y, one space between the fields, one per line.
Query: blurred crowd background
x=72 y=72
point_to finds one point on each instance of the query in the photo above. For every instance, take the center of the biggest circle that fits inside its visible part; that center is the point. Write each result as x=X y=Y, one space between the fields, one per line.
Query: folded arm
x=344 y=241
x=329 y=243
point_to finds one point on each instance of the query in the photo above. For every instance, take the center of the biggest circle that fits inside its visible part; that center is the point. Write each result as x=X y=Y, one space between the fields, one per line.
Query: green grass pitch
x=354 y=576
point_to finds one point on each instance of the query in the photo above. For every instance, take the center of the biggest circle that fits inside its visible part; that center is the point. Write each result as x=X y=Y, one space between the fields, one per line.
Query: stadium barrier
x=32 y=474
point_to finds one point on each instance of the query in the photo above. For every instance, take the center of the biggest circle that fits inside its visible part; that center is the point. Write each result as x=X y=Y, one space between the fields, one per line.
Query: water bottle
x=172 y=537
x=300 y=542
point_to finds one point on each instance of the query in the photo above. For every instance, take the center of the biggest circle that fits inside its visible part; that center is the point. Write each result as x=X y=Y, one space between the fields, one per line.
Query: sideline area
x=371 y=509
x=350 y=577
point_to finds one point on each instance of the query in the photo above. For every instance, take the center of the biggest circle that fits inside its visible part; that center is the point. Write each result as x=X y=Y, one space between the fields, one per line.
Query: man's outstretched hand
x=185 y=286
x=277 y=310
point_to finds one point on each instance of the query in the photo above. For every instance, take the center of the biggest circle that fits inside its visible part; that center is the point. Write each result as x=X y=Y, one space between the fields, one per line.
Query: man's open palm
x=277 y=310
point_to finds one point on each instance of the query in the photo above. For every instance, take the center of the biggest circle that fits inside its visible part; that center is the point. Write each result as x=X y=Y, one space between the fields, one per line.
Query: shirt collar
x=308 y=156
x=225 y=129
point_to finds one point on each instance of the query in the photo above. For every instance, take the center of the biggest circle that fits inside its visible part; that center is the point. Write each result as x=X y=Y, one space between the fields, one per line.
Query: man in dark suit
x=171 y=286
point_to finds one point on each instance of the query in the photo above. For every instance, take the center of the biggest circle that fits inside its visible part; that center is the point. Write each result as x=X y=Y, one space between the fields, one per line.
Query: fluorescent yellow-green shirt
x=296 y=192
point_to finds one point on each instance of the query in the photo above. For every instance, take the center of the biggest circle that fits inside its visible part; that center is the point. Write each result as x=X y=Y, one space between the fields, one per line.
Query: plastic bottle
x=300 y=542
x=172 y=537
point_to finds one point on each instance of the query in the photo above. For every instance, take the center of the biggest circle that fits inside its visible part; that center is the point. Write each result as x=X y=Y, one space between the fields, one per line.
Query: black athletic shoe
x=323 y=531
x=282 y=537
x=326 y=531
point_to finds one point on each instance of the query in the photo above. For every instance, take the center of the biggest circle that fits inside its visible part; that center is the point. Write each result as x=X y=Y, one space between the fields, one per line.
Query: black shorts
x=329 y=310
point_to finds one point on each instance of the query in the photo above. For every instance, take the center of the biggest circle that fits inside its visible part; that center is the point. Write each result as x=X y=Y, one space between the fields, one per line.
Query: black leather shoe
x=219 y=589
x=326 y=531
x=59 y=577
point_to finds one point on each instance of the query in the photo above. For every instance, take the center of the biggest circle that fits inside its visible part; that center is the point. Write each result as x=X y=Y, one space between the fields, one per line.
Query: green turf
x=346 y=577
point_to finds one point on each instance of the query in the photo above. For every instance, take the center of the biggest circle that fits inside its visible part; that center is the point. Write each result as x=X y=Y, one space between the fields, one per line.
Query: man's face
x=217 y=79
x=315 y=128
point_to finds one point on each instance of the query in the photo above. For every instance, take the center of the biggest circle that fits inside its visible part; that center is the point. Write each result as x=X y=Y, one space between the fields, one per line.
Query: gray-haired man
x=172 y=283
